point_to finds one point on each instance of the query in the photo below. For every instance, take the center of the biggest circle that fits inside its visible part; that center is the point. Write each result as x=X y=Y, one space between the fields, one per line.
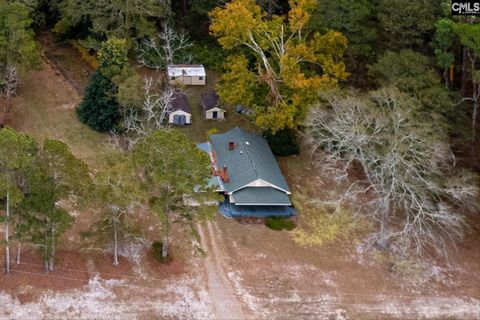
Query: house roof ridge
x=246 y=146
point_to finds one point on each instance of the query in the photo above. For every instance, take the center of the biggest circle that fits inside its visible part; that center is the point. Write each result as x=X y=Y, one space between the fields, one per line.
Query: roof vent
x=247 y=143
x=231 y=145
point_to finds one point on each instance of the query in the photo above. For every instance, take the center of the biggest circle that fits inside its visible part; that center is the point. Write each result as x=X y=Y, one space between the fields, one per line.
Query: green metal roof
x=260 y=196
x=251 y=160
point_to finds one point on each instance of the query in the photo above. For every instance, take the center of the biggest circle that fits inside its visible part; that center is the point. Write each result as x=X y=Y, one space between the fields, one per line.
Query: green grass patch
x=322 y=223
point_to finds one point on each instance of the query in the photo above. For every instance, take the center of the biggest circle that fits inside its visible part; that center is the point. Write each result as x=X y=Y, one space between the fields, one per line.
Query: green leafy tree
x=412 y=73
x=18 y=49
x=117 y=195
x=47 y=221
x=129 y=19
x=292 y=64
x=406 y=24
x=113 y=59
x=60 y=175
x=176 y=173
x=443 y=42
x=100 y=109
x=357 y=21
x=16 y=162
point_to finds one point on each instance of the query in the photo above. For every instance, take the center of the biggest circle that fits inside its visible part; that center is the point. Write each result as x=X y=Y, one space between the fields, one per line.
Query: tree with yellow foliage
x=278 y=69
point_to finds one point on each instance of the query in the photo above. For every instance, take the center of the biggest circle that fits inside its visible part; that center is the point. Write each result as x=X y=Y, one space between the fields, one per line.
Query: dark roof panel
x=180 y=102
x=209 y=100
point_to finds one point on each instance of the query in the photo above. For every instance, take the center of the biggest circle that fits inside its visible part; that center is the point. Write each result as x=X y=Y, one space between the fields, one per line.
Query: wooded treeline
x=392 y=86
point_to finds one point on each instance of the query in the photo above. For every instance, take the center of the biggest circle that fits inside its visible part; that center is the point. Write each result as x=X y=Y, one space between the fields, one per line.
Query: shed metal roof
x=195 y=70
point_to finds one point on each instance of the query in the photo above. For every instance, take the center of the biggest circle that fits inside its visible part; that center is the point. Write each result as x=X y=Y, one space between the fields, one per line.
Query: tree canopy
x=410 y=172
x=176 y=173
x=130 y=19
x=17 y=45
x=288 y=64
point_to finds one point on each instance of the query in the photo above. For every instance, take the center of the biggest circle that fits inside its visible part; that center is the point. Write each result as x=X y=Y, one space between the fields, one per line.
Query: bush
x=283 y=143
x=157 y=252
x=279 y=223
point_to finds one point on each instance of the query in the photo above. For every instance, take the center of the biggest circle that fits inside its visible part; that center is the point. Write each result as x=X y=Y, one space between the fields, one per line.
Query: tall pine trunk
x=115 y=240
x=165 y=247
x=185 y=8
x=475 y=112
x=52 y=250
x=446 y=76
x=45 y=248
x=19 y=251
x=7 y=237
x=19 y=237
x=165 y=236
x=463 y=85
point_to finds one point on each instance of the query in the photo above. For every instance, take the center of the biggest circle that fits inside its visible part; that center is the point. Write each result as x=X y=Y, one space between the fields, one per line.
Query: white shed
x=180 y=112
x=210 y=106
x=187 y=74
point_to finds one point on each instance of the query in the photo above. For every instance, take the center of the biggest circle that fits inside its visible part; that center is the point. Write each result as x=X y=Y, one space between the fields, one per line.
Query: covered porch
x=229 y=210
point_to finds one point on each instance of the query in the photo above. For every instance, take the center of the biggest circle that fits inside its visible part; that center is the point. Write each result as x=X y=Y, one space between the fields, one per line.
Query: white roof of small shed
x=195 y=70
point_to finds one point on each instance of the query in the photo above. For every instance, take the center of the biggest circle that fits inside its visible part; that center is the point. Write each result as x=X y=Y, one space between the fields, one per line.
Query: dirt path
x=225 y=303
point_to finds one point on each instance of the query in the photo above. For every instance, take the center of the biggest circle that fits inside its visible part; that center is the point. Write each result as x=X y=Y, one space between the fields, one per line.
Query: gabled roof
x=176 y=70
x=180 y=102
x=254 y=196
x=251 y=160
x=209 y=100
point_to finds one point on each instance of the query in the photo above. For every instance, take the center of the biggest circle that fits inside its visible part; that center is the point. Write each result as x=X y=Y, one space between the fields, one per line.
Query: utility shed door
x=179 y=119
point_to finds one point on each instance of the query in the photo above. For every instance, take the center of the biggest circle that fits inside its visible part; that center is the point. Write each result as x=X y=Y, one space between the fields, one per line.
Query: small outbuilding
x=180 y=112
x=210 y=106
x=186 y=74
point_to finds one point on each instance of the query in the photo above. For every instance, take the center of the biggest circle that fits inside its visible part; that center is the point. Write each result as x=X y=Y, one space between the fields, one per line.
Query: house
x=186 y=74
x=210 y=106
x=247 y=174
x=180 y=112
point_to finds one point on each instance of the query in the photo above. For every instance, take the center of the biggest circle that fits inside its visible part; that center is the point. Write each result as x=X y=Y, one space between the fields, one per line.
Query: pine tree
x=99 y=108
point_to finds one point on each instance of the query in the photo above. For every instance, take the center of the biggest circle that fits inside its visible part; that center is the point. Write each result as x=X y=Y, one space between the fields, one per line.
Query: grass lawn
x=45 y=108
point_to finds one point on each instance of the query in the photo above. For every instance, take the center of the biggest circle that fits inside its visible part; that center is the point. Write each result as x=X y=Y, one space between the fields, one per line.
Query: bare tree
x=152 y=115
x=412 y=187
x=170 y=46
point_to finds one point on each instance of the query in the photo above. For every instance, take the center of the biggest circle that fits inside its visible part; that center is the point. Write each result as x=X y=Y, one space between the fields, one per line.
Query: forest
x=380 y=97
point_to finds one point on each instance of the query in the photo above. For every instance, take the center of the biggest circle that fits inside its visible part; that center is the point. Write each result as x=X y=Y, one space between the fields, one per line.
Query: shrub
x=325 y=222
x=279 y=223
x=91 y=59
x=157 y=252
x=289 y=224
x=283 y=143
